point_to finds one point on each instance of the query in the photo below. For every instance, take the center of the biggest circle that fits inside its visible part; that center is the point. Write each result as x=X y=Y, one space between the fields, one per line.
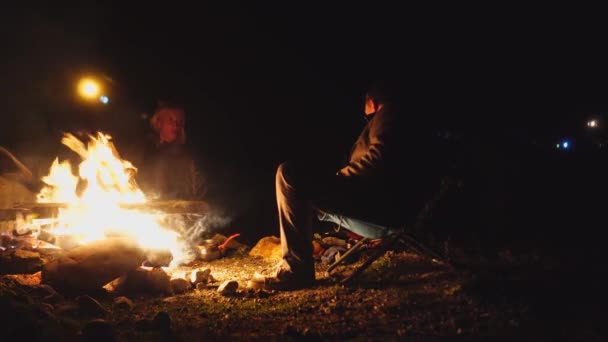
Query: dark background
x=266 y=83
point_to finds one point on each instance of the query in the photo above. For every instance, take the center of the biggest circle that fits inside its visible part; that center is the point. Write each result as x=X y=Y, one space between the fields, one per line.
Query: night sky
x=266 y=83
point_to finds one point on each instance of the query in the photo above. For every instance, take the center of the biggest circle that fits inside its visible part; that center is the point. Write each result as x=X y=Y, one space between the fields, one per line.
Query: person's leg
x=300 y=190
x=360 y=227
x=295 y=220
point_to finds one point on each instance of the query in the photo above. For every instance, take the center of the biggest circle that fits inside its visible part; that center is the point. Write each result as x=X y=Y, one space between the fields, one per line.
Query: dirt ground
x=400 y=295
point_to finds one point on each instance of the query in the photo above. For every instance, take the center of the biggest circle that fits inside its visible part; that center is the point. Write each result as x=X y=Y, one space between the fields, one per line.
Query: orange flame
x=96 y=212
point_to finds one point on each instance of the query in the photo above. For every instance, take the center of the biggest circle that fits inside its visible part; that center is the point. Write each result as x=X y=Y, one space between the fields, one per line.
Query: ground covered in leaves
x=400 y=295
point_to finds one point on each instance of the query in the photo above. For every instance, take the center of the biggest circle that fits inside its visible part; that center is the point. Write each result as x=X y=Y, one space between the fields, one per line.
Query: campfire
x=107 y=233
x=101 y=201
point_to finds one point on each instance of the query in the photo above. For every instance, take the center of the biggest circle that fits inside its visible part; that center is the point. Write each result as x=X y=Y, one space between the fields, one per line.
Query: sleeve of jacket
x=381 y=134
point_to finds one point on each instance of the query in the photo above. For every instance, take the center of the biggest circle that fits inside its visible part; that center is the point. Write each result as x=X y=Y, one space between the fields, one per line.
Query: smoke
x=197 y=227
x=207 y=225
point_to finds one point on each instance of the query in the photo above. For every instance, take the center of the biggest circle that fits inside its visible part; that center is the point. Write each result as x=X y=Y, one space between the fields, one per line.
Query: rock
x=66 y=309
x=228 y=287
x=123 y=303
x=201 y=286
x=47 y=293
x=256 y=293
x=90 y=307
x=45 y=290
x=53 y=298
x=98 y=330
x=268 y=248
x=180 y=285
x=92 y=266
x=45 y=311
x=26 y=279
x=20 y=262
x=255 y=285
x=143 y=281
x=202 y=276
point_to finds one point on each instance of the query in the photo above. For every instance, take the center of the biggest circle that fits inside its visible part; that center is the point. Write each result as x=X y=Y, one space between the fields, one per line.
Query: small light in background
x=558 y=145
x=104 y=99
x=565 y=144
x=592 y=123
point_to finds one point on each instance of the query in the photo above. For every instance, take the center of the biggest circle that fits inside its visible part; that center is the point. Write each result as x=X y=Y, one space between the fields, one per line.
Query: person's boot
x=283 y=277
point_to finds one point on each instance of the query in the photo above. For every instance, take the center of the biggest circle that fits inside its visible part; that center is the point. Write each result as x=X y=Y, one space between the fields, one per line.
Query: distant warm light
x=104 y=99
x=88 y=88
x=592 y=123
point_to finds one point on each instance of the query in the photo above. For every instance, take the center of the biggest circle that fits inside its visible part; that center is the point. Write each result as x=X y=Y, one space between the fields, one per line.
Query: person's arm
x=380 y=134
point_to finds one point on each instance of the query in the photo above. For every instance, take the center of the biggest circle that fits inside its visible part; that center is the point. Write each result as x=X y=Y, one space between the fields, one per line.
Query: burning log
x=91 y=266
x=101 y=201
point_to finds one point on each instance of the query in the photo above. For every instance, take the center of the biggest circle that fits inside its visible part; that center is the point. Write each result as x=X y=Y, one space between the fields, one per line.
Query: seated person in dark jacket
x=372 y=186
x=367 y=187
x=168 y=169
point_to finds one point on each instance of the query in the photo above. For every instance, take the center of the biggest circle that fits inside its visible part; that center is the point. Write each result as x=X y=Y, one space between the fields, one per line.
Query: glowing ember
x=94 y=199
